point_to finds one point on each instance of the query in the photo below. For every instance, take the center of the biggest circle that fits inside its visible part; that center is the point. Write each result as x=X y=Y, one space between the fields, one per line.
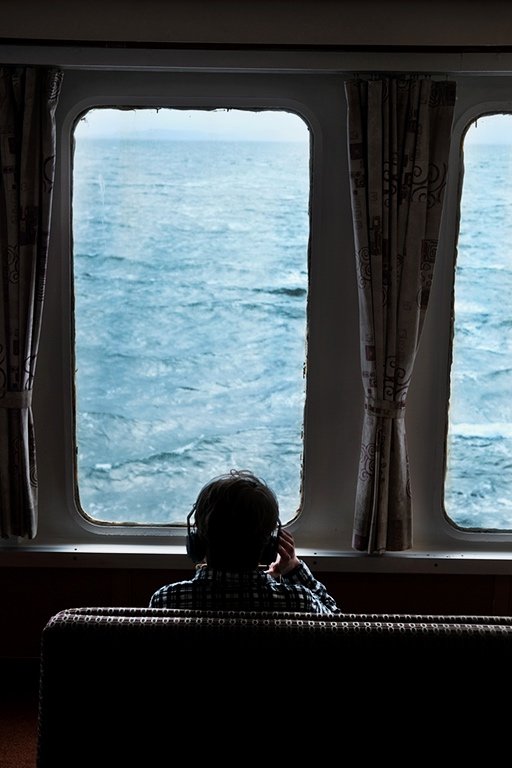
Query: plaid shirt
x=256 y=590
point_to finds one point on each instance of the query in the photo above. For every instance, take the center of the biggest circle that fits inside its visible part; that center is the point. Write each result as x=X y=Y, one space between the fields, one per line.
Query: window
x=190 y=250
x=478 y=489
x=251 y=252
x=327 y=402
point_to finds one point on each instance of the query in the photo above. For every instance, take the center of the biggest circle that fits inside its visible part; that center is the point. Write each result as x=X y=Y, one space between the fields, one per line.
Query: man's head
x=235 y=516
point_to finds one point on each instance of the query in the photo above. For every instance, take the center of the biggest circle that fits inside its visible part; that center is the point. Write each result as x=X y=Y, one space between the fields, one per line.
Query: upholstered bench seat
x=121 y=682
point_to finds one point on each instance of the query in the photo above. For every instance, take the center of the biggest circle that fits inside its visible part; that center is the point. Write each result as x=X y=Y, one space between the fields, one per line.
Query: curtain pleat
x=28 y=100
x=399 y=141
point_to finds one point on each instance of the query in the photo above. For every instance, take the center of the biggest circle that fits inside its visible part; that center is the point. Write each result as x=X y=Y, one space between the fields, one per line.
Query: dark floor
x=19 y=683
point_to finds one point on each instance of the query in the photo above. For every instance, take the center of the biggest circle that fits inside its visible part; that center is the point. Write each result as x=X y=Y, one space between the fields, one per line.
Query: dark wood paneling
x=29 y=597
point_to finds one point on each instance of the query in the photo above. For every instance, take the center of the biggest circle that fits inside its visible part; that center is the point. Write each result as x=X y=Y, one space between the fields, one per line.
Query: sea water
x=479 y=450
x=190 y=272
x=190 y=269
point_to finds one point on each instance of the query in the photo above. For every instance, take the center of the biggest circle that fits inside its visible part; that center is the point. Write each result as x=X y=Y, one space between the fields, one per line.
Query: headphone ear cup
x=269 y=553
x=196 y=549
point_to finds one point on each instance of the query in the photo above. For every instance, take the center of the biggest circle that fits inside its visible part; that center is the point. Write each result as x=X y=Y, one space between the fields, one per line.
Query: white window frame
x=477 y=95
x=310 y=84
x=320 y=105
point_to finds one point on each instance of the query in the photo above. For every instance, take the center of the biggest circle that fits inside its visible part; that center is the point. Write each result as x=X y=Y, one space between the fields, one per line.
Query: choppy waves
x=478 y=490
x=191 y=289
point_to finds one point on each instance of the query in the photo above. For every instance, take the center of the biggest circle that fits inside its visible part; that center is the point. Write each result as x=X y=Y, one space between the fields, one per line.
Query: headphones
x=269 y=551
x=196 y=546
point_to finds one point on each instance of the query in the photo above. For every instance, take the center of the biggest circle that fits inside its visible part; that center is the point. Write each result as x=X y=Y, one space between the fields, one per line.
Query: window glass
x=478 y=487
x=190 y=248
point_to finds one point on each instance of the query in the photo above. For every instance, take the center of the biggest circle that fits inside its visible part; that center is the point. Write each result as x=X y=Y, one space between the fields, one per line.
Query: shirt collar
x=204 y=573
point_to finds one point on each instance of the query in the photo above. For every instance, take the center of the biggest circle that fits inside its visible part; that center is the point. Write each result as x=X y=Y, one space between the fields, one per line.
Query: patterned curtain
x=28 y=99
x=399 y=140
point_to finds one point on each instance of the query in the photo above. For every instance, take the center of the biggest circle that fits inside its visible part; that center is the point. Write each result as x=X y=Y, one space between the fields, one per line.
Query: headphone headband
x=196 y=547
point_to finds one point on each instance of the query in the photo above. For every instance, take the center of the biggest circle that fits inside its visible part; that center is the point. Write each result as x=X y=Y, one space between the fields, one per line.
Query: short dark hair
x=235 y=515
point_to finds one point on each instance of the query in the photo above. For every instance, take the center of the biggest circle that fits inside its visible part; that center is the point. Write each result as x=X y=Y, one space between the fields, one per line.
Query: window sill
x=173 y=557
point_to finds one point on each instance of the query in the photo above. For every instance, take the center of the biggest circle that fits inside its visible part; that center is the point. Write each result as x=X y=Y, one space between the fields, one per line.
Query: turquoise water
x=479 y=477
x=191 y=291
x=190 y=263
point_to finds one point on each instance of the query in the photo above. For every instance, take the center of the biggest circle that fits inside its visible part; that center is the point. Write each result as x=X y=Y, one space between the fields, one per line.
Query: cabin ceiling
x=344 y=23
